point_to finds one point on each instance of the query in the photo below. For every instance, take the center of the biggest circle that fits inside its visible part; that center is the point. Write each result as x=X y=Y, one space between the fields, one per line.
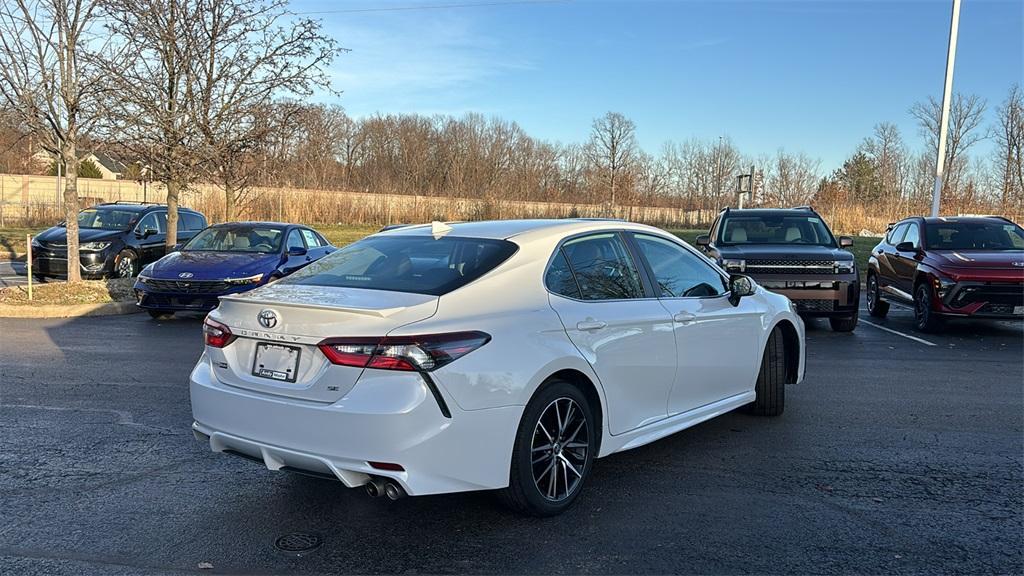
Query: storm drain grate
x=298 y=542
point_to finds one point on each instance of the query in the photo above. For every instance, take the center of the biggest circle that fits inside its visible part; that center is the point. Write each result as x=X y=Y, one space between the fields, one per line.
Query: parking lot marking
x=898 y=333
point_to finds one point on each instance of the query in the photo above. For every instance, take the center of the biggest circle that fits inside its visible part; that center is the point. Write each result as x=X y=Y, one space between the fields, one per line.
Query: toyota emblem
x=185 y=275
x=267 y=318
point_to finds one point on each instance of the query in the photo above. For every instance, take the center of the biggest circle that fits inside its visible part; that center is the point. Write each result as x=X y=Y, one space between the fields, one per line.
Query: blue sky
x=811 y=76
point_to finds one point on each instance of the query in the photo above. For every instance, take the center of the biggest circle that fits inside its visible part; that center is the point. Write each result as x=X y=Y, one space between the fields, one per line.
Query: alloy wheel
x=126 y=267
x=558 y=452
x=872 y=293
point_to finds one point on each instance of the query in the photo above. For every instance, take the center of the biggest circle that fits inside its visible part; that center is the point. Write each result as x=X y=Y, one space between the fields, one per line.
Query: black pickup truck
x=792 y=252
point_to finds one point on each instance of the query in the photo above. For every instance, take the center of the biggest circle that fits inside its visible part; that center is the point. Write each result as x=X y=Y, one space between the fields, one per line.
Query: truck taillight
x=409 y=353
x=216 y=334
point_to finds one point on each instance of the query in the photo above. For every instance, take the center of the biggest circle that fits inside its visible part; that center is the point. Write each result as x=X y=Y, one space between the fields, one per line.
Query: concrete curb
x=68 y=311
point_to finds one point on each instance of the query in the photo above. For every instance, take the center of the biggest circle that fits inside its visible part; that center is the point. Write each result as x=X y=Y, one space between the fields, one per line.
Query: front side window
x=603 y=268
x=678 y=273
x=896 y=234
x=236 y=239
x=771 y=229
x=106 y=219
x=913 y=234
x=148 y=222
x=295 y=241
x=975 y=236
x=417 y=264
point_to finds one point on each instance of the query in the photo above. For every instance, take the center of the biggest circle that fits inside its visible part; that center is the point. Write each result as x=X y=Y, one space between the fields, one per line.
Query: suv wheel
x=846 y=324
x=876 y=306
x=125 y=264
x=554 y=451
x=924 y=318
x=771 y=380
x=160 y=314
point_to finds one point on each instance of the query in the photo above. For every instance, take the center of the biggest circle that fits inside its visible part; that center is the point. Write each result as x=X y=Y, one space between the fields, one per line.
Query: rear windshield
x=975 y=236
x=417 y=264
x=775 y=230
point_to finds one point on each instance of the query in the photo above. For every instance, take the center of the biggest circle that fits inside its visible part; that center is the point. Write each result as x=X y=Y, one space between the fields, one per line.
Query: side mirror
x=845 y=241
x=146 y=233
x=740 y=286
x=297 y=251
x=906 y=247
x=703 y=240
x=177 y=247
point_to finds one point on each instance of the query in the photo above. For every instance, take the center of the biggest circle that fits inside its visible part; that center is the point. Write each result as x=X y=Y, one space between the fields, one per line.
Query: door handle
x=684 y=317
x=590 y=325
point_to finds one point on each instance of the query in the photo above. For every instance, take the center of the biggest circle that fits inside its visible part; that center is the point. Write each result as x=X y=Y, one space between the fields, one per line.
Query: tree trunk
x=229 y=203
x=71 y=210
x=173 y=190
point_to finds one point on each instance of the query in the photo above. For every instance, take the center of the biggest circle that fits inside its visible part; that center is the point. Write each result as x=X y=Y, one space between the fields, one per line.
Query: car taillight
x=409 y=353
x=217 y=334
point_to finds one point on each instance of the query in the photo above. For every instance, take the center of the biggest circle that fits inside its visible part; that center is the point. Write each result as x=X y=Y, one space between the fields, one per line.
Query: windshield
x=975 y=236
x=106 y=219
x=768 y=229
x=236 y=239
x=417 y=264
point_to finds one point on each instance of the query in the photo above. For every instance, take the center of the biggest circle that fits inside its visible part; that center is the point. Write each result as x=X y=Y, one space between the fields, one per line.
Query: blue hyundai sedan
x=226 y=259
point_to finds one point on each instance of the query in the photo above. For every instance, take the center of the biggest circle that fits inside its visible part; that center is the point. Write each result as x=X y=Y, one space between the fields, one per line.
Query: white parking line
x=898 y=333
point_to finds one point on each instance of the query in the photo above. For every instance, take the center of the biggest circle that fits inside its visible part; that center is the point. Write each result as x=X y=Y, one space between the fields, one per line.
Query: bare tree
x=148 y=73
x=612 y=149
x=966 y=115
x=1009 y=134
x=46 y=83
x=789 y=179
x=244 y=54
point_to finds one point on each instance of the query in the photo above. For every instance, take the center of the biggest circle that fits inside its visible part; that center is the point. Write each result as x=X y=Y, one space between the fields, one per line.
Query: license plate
x=276 y=362
x=1018 y=310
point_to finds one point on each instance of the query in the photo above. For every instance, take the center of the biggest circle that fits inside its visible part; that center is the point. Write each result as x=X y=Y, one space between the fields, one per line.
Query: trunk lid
x=304 y=316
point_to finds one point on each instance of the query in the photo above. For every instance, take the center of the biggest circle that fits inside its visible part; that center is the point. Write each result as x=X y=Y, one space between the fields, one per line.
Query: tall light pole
x=947 y=94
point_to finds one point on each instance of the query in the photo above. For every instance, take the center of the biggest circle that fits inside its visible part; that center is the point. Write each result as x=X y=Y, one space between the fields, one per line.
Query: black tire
x=925 y=319
x=38 y=278
x=771 y=380
x=876 y=306
x=126 y=264
x=523 y=494
x=844 y=324
x=160 y=314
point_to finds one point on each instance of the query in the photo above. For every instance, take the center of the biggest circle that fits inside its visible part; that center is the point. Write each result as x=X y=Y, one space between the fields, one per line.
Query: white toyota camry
x=488 y=355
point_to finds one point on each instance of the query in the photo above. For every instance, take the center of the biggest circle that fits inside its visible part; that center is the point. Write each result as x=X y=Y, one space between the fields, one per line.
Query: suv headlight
x=36 y=243
x=94 y=246
x=843 y=266
x=254 y=279
x=734 y=264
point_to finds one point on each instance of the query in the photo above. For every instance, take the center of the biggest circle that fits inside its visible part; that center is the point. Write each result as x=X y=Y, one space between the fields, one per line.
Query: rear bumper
x=816 y=295
x=386 y=417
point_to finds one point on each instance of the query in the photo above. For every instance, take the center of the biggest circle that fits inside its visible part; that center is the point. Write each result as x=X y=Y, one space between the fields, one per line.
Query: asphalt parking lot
x=13 y=273
x=897 y=455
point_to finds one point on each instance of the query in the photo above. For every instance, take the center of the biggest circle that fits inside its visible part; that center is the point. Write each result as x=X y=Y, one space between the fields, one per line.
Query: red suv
x=949 y=268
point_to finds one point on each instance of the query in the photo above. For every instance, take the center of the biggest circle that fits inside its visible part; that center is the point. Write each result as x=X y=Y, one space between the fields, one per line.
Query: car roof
x=505 y=229
x=745 y=212
x=256 y=223
x=944 y=219
x=138 y=206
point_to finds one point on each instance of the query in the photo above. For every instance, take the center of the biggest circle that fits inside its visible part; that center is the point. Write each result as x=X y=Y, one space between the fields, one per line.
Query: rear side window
x=311 y=240
x=190 y=221
x=603 y=268
x=417 y=264
x=559 y=278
